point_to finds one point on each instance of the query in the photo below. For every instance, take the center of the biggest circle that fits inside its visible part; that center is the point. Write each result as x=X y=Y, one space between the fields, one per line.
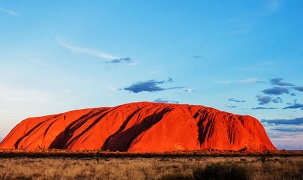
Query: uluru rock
x=140 y=127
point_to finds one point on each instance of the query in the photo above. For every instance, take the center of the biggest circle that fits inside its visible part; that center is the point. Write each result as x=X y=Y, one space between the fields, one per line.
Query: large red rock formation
x=140 y=127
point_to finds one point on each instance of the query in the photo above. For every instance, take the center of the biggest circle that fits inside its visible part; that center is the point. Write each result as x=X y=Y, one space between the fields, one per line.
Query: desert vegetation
x=161 y=167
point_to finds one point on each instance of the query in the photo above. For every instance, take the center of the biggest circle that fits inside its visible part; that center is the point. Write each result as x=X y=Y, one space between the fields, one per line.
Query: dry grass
x=144 y=168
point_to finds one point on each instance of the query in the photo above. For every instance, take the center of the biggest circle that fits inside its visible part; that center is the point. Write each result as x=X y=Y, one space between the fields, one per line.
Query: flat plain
x=20 y=165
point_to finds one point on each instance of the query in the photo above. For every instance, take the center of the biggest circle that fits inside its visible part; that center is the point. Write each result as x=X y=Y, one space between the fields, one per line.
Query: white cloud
x=189 y=90
x=241 y=81
x=87 y=51
x=13 y=13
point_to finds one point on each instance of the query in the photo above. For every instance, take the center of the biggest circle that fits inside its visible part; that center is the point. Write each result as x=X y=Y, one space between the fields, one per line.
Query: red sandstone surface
x=140 y=127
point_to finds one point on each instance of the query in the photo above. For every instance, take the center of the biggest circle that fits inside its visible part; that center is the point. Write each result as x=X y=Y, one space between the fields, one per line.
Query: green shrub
x=222 y=172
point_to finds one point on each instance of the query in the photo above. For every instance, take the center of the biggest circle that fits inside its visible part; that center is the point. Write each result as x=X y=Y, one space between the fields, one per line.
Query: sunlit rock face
x=140 y=127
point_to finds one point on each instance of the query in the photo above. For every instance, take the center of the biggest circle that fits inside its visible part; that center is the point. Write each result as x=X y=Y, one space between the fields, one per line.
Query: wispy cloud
x=262 y=108
x=126 y=60
x=286 y=129
x=277 y=100
x=112 y=59
x=149 y=86
x=279 y=82
x=241 y=81
x=189 y=90
x=263 y=99
x=285 y=133
x=296 y=121
x=232 y=107
x=276 y=91
x=13 y=13
x=236 y=100
x=287 y=140
x=92 y=52
x=267 y=99
x=165 y=100
x=280 y=89
x=299 y=88
x=295 y=106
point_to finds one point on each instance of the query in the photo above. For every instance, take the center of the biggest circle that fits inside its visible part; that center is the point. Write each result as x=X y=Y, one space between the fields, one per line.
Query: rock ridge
x=140 y=127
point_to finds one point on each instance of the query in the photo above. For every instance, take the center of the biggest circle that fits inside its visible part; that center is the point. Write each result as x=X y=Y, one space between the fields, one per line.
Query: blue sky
x=245 y=57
